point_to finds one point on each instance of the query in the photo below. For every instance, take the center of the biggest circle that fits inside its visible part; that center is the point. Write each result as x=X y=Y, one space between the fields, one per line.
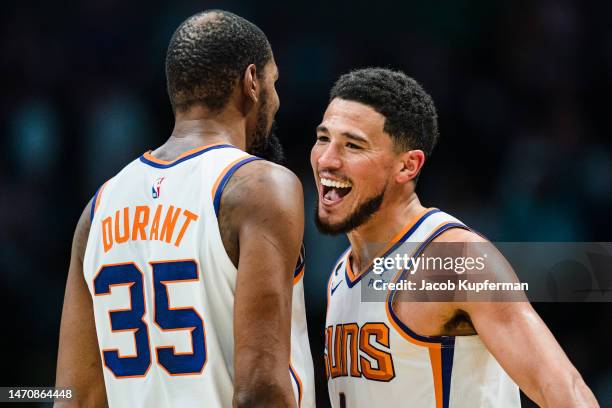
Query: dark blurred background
x=522 y=89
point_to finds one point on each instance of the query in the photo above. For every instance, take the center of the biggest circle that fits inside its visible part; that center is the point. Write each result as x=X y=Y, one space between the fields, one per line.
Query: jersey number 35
x=165 y=317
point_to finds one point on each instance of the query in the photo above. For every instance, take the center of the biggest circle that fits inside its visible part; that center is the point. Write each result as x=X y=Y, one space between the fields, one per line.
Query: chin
x=329 y=217
x=329 y=225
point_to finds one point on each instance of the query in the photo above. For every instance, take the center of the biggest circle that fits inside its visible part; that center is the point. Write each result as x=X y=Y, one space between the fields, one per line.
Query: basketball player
x=377 y=131
x=182 y=289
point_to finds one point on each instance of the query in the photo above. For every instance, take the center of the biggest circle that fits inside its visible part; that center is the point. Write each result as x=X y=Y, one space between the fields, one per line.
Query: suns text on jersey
x=366 y=346
x=142 y=223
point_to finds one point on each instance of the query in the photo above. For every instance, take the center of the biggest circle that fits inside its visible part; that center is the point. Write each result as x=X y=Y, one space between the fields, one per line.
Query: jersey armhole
x=224 y=177
x=441 y=348
x=401 y=327
x=95 y=202
x=300 y=266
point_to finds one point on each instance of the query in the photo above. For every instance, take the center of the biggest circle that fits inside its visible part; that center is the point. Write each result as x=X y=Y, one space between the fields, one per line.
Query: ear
x=411 y=164
x=250 y=86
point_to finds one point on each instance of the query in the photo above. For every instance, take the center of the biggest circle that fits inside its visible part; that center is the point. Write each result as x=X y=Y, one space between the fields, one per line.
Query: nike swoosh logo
x=335 y=287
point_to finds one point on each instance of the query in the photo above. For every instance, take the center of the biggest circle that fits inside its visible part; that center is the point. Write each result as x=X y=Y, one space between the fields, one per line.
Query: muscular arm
x=520 y=341
x=263 y=203
x=78 y=362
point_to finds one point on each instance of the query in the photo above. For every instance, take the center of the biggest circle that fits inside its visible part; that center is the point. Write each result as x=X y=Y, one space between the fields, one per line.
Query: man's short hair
x=410 y=115
x=208 y=55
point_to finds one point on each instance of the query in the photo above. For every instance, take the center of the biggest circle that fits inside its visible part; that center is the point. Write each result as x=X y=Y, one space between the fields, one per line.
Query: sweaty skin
x=261 y=222
x=352 y=146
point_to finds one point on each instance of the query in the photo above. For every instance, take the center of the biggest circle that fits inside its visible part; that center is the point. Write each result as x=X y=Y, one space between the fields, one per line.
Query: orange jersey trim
x=352 y=276
x=298 y=381
x=96 y=202
x=223 y=173
x=299 y=276
x=438 y=346
x=154 y=159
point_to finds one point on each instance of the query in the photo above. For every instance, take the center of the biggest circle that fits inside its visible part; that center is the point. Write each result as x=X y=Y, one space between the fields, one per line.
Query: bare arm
x=520 y=341
x=78 y=363
x=526 y=349
x=265 y=205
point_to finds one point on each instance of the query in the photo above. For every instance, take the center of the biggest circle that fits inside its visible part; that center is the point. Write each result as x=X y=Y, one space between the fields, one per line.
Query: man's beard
x=362 y=214
x=265 y=142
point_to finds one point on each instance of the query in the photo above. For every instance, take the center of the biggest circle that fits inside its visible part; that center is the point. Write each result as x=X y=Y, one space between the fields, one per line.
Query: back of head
x=208 y=55
x=410 y=114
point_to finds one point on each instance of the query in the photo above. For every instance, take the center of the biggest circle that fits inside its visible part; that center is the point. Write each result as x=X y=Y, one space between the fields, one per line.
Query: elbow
x=573 y=393
x=263 y=395
x=81 y=398
x=72 y=403
x=262 y=379
x=582 y=393
x=75 y=403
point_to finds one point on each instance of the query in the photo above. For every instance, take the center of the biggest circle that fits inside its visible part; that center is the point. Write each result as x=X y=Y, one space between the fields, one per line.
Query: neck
x=198 y=127
x=373 y=237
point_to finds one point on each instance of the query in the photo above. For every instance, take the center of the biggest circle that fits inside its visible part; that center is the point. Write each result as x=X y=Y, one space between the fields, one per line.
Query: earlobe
x=250 y=84
x=411 y=163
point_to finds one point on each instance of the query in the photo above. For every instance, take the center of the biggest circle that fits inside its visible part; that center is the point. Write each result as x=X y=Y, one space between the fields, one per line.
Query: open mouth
x=334 y=191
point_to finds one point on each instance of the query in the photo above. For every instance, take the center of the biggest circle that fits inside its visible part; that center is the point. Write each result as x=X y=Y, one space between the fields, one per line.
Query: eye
x=322 y=138
x=353 y=146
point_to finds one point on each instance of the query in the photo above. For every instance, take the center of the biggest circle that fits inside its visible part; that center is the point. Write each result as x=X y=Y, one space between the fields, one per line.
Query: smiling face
x=354 y=165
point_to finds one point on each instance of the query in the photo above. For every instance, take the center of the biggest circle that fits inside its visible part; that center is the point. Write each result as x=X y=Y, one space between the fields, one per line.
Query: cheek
x=370 y=176
x=314 y=157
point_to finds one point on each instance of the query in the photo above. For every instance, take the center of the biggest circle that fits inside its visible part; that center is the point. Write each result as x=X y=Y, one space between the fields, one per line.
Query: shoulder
x=262 y=195
x=456 y=241
x=459 y=235
x=464 y=243
x=261 y=180
x=266 y=173
x=81 y=233
x=476 y=260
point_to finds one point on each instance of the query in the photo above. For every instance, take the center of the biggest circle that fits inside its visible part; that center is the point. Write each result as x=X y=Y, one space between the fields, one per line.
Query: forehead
x=353 y=117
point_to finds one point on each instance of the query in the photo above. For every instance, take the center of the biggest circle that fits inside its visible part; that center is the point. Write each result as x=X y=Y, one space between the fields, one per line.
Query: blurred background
x=522 y=90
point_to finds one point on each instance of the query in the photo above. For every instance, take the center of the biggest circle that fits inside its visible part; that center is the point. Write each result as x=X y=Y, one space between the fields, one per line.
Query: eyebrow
x=348 y=135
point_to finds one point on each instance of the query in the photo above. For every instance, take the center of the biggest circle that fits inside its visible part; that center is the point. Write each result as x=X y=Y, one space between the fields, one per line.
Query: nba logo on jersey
x=156 y=189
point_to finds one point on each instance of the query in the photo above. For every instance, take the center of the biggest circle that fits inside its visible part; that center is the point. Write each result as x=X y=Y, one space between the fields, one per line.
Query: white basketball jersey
x=163 y=285
x=374 y=360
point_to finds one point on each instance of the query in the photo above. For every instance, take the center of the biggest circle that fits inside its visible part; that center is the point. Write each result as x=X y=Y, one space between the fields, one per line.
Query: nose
x=329 y=158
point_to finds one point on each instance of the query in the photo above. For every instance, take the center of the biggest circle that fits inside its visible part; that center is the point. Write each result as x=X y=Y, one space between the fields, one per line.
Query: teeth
x=337 y=184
